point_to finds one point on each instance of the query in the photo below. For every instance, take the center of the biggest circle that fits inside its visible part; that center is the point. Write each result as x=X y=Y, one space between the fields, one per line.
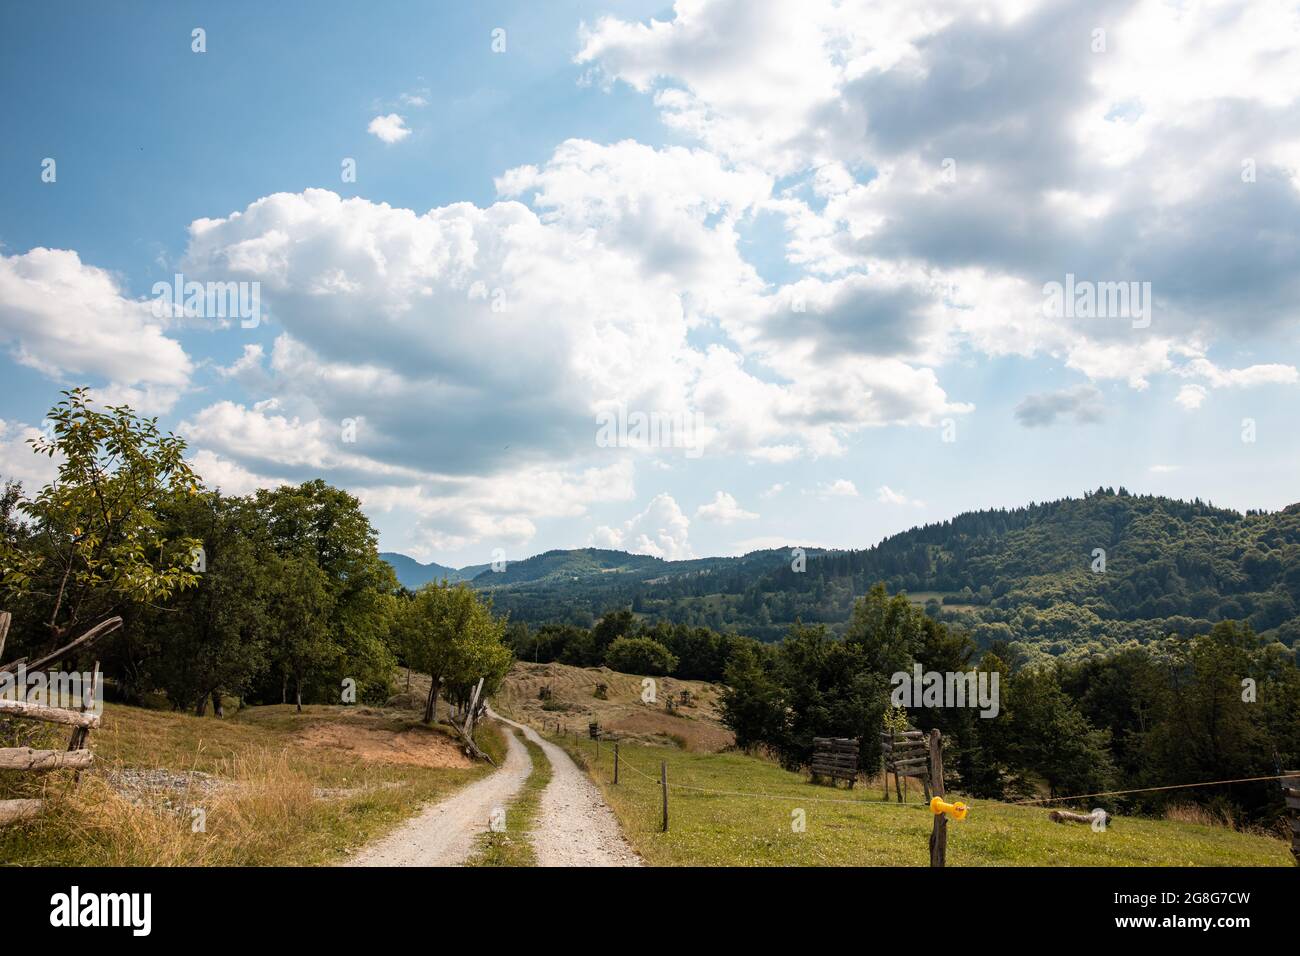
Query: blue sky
x=815 y=237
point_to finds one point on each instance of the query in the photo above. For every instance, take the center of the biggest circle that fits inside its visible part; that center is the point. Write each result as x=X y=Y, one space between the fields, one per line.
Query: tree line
x=275 y=597
x=1214 y=706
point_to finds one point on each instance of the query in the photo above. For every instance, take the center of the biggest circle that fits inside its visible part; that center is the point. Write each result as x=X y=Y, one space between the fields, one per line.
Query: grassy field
x=512 y=847
x=274 y=787
x=573 y=704
x=856 y=828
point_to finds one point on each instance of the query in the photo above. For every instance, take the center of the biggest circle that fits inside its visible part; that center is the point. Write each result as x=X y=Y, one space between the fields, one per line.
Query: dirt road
x=574 y=825
x=446 y=833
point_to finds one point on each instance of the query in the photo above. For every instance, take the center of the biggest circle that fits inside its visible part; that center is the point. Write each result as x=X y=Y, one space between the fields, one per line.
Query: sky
x=682 y=279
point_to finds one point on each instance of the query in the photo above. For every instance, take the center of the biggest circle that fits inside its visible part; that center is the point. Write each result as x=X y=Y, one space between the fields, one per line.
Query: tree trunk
x=298 y=695
x=431 y=705
x=408 y=680
x=201 y=708
x=284 y=689
x=218 y=710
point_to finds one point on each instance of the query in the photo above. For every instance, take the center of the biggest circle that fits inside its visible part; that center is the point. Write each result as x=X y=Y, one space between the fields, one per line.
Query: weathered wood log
x=92 y=635
x=904 y=766
x=51 y=715
x=1068 y=816
x=25 y=758
x=11 y=811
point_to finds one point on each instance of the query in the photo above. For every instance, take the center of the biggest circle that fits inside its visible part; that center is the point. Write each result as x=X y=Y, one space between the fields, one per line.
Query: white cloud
x=18 y=461
x=861 y=104
x=773 y=491
x=71 y=320
x=839 y=488
x=661 y=530
x=888 y=496
x=1191 y=396
x=390 y=128
x=724 y=509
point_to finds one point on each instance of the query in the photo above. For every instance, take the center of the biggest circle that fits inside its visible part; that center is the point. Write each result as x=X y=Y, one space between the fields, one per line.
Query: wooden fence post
x=663 y=781
x=616 y=761
x=939 y=831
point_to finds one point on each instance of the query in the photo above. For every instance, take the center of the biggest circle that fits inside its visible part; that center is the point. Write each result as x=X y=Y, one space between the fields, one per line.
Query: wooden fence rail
x=77 y=756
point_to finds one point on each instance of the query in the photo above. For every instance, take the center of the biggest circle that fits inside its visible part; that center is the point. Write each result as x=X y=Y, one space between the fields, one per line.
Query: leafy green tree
x=752 y=705
x=212 y=640
x=454 y=638
x=325 y=526
x=640 y=655
x=95 y=545
x=300 y=639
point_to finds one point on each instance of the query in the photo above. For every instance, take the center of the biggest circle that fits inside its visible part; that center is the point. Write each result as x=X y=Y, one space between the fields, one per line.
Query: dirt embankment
x=691 y=722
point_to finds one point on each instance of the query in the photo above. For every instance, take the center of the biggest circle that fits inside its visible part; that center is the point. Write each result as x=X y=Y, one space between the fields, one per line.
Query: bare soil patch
x=413 y=746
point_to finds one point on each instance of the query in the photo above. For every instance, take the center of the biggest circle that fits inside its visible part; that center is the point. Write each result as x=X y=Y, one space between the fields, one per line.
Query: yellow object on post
x=956 y=811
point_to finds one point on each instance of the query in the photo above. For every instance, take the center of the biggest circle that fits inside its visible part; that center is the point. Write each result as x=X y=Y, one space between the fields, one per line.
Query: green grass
x=513 y=846
x=267 y=811
x=856 y=828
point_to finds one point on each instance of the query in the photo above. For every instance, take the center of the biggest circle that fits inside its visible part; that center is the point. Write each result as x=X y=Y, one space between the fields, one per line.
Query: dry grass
x=1202 y=816
x=271 y=787
x=574 y=704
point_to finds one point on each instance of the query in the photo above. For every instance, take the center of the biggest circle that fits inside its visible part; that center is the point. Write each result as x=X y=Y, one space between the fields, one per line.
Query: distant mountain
x=1060 y=577
x=412 y=574
x=581 y=584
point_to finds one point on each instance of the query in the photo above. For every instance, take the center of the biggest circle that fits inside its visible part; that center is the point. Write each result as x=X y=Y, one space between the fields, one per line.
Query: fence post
x=616 y=761
x=663 y=781
x=939 y=831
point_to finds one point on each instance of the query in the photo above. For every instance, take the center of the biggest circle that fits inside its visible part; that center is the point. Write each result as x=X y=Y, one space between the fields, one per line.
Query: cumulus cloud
x=906 y=132
x=888 y=496
x=69 y=319
x=839 y=488
x=19 y=463
x=724 y=509
x=1082 y=404
x=390 y=128
x=661 y=530
x=1191 y=396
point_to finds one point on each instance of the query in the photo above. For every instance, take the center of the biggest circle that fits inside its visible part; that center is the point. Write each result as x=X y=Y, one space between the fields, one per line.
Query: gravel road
x=446 y=833
x=574 y=826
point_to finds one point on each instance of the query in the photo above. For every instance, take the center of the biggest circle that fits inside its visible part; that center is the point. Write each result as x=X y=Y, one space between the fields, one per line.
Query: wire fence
x=656 y=784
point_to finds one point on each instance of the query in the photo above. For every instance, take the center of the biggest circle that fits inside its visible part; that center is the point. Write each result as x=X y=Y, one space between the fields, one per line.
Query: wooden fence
x=906 y=754
x=77 y=756
x=836 y=757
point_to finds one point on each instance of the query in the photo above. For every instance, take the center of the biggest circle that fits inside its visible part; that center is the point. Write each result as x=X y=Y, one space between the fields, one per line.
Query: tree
x=453 y=636
x=300 y=610
x=96 y=544
x=752 y=705
x=640 y=655
x=325 y=527
x=212 y=639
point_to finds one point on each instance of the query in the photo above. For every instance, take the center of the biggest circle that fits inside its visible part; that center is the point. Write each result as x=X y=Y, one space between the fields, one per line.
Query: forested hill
x=1031 y=575
x=1036 y=574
